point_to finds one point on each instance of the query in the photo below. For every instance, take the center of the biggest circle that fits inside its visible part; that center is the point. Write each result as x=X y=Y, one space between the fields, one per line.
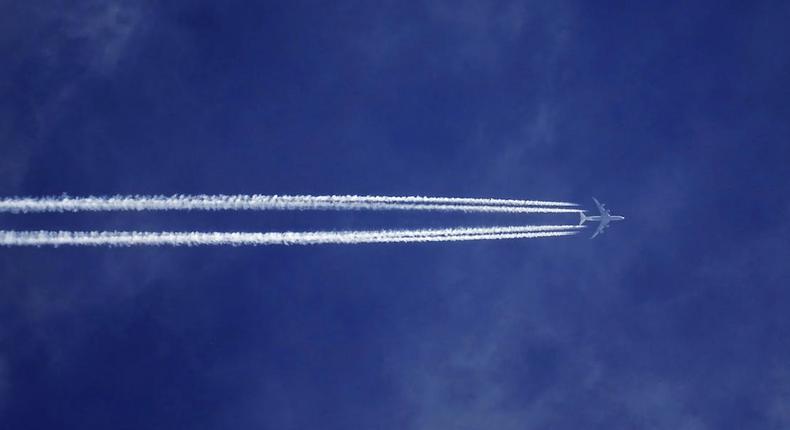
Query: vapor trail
x=133 y=238
x=435 y=200
x=261 y=202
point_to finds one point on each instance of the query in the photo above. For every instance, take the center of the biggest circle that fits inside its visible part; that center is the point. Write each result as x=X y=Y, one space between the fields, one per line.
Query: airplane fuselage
x=600 y=218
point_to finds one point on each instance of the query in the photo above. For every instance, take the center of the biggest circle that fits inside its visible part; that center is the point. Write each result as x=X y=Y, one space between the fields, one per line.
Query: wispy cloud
x=68 y=45
x=104 y=28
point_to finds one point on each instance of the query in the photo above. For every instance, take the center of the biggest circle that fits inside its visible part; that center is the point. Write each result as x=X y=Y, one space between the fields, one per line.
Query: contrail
x=435 y=200
x=261 y=202
x=133 y=238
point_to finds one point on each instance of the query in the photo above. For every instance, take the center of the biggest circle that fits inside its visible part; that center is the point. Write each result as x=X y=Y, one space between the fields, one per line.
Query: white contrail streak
x=435 y=200
x=132 y=238
x=261 y=202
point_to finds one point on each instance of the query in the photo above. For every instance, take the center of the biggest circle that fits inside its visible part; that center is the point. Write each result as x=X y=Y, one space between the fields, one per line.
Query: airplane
x=604 y=218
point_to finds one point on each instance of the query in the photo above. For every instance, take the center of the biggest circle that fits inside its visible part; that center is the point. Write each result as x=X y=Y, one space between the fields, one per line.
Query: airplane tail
x=582 y=218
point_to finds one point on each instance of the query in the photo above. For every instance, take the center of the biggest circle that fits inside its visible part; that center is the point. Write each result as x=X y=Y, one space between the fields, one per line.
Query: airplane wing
x=599 y=230
x=601 y=207
x=601 y=226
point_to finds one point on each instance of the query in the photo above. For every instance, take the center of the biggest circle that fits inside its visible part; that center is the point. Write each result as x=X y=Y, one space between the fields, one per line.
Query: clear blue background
x=675 y=114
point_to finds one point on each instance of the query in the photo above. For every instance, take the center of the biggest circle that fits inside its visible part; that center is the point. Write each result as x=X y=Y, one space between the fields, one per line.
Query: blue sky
x=676 y=115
